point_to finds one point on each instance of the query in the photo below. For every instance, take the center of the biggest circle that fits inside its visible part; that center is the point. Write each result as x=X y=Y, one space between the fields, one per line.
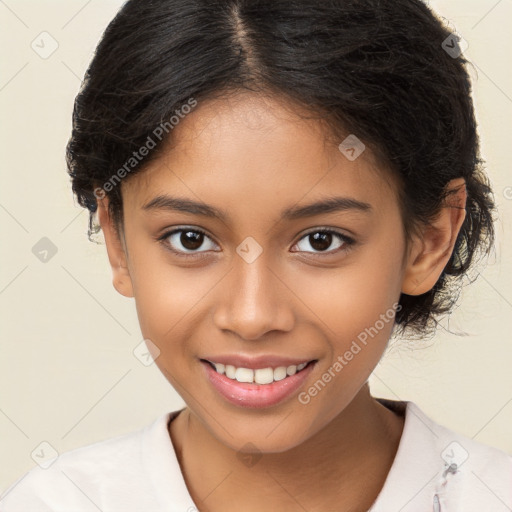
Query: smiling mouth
x=258 y=376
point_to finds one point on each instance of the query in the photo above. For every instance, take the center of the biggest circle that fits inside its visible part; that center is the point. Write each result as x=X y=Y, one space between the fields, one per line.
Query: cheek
x=355 y=307
x=166 y=296
x=356 y=314
x=350 y=299
x=167 y=300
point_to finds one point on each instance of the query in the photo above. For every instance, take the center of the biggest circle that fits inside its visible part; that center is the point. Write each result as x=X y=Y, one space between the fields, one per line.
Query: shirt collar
x=409 y=485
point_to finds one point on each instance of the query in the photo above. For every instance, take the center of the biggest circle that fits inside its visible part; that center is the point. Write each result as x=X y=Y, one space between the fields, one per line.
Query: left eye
x=322 y=239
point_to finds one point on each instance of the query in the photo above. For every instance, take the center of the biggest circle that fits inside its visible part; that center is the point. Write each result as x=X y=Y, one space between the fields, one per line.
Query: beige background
x=68 y=375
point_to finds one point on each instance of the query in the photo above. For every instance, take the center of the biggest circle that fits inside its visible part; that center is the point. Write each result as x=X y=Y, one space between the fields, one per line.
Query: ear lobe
x=116 y=253
x=432 y=250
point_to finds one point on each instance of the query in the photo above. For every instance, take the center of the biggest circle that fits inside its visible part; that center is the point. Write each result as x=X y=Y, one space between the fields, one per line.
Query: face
x=270 y=281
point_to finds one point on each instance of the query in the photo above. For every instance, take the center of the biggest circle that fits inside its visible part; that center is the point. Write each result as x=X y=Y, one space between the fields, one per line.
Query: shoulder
x=473 y=475
x=457 y=449
x=85 y=476
x=458 y=472
x=436 y=468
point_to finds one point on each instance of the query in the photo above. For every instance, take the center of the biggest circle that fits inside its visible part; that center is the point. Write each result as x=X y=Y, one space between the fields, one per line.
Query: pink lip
x=255 y=363
x=256 y=396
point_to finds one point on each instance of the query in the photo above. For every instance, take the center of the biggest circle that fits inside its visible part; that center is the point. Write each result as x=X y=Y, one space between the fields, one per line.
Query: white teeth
x=244 y=375
x=291 y=370
x=259 y=376
x=230 y=371
x=264 y=376
x=280 y=373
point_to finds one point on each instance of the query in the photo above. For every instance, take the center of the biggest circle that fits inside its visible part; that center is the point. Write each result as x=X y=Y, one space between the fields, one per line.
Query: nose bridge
x=252 y=301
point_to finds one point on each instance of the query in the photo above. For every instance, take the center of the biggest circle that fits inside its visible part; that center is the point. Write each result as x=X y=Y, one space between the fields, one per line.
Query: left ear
x=432 y=248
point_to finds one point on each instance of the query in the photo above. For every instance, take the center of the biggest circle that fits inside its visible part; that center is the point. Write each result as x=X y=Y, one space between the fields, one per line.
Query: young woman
x=282 y=185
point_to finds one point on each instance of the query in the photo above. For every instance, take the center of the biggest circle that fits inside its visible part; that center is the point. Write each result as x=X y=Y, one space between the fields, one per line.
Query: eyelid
x=348 y=241
x=326 y=229
x=162 y=239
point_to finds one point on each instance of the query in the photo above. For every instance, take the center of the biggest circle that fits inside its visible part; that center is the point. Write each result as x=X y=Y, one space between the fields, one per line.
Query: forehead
x=253 y=154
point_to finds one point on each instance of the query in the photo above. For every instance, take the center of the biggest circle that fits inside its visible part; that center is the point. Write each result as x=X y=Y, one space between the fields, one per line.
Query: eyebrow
x=328 y=205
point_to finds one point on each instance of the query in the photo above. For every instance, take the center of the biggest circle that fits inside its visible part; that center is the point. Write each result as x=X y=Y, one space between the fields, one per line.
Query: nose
x=254 y=300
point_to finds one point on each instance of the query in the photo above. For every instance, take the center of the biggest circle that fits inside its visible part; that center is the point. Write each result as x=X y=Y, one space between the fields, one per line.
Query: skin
x=252 y=157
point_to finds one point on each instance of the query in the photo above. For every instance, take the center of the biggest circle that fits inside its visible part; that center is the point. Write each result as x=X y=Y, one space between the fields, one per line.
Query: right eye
x=186 y=241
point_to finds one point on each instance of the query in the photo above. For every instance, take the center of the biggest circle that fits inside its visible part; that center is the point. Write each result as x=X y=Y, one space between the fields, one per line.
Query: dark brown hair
x=389 y=72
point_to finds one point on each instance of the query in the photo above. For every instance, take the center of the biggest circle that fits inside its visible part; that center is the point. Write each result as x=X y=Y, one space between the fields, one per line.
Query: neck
x=350 y=457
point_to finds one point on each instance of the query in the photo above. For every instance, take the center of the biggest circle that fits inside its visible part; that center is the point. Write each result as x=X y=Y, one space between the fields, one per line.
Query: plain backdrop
x=68 y=373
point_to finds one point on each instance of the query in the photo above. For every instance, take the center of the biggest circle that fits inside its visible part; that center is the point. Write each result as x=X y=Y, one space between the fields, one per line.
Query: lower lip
x=256 y=396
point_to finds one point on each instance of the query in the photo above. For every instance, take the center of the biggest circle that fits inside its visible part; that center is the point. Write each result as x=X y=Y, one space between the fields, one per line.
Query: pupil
x=321 y=241
x=194 y=241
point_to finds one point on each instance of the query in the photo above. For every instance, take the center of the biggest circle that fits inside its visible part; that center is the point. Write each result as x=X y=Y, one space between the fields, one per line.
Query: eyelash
x=347 y=241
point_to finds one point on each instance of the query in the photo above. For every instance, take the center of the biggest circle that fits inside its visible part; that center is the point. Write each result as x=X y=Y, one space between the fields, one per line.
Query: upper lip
x=257 y=362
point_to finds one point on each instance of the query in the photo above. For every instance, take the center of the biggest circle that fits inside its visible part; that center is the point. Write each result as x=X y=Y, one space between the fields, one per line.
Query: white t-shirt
x=434 y=470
